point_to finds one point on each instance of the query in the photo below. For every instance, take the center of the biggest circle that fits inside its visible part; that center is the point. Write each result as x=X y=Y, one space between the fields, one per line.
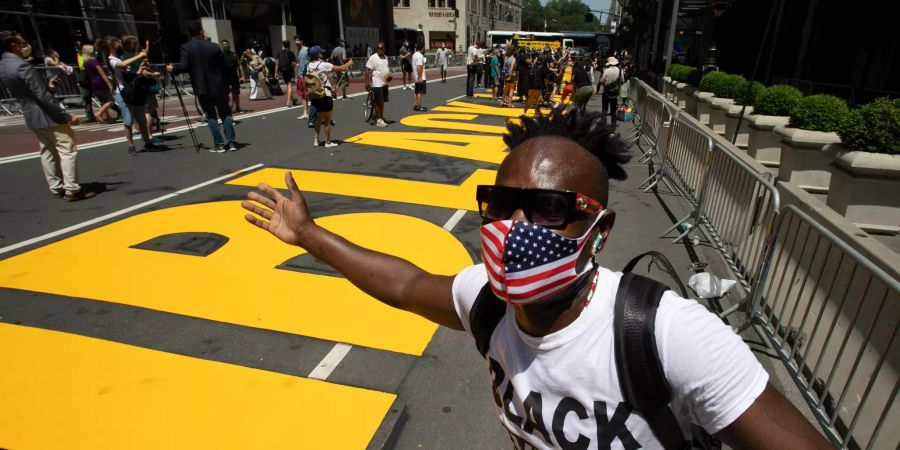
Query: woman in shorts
x=324 y=105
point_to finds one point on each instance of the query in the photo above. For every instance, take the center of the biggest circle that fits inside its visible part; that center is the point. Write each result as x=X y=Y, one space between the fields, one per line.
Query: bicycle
x=369 y=104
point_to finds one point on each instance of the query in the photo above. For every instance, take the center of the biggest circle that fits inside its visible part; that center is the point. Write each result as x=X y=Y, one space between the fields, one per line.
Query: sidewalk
x=18 y=139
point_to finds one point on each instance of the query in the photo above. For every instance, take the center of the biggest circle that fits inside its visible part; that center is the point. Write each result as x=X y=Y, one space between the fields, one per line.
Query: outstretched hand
x=285 y=217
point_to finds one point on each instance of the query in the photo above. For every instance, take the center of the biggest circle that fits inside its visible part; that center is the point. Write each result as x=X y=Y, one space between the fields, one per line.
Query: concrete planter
x=806 y=158
x=762 y=142
x=667 y=88
x=686 y=99
x=731 y=120
x=717 y=114
x=865 y=188
x=704 y=106
x=678 y=97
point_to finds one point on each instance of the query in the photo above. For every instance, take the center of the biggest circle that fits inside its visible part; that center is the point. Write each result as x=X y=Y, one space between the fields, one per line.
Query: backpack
x=612 y=89
x=641 y=377
x=284 y=61
x=315 y=84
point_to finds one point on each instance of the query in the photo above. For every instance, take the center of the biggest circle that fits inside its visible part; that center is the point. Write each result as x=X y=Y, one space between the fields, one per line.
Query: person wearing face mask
x=551 y=357
x=43 y=115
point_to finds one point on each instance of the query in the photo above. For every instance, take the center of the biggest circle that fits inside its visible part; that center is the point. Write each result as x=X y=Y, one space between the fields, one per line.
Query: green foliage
x=874 y=127
x=819 y=113
x=731 y=86
x=748 y=98
x=637 y=22
x=565 y=15
x=776 y=100
x=681 y=73
x=711 y=81
x=532 y=15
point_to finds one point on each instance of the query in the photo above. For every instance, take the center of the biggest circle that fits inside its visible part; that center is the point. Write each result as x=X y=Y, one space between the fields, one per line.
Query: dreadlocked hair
x=588 y=129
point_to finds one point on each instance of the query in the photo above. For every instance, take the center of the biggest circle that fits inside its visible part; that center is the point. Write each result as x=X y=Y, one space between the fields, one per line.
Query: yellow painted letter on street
x=450 y=122
x=239 y=282
x=467 y=146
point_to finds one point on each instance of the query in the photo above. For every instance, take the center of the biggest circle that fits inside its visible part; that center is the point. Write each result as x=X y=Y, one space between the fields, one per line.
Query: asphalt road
x=154 y=314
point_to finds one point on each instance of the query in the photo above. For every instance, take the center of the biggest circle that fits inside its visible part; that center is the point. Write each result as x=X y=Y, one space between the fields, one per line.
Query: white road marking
x=120 y=212
x=340 y=350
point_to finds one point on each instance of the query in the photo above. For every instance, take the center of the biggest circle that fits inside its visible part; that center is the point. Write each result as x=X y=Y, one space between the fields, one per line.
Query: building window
x=401 y=3
x=431 y=3
x=451 y=4
x=442 y=3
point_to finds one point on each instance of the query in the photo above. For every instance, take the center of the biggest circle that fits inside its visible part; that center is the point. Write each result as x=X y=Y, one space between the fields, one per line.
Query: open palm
x=284 y=217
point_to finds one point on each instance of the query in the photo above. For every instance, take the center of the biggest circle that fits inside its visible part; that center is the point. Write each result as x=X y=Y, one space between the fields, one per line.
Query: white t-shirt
x=565 y=380
x=324 y=69
x=380 y=69
x=118 y=72
x=418 y=59
x=471 y=54
x=442 y=55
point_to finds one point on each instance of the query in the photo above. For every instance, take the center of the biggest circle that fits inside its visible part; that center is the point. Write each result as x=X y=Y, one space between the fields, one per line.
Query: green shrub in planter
x=693 y=76
x=776 y=100
x=874 y=127
x=673 y=69
x=711 y=81
x=731 y=86
x=748 y=98
x=819 y=113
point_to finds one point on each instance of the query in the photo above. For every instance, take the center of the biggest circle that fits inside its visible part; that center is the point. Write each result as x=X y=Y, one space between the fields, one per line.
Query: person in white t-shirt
x=378 y=77
x=418 y=76
x=443 y=58
x=324 y=105
x=551 y=358
x=472 y=60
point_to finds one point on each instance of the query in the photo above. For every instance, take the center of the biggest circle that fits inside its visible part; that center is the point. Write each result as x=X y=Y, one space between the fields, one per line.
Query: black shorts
x=287 y=75
x=234 y=86
x=381 y=94
x=406 y=66
x=103 y=96
x=324 y=104
x=421 y=88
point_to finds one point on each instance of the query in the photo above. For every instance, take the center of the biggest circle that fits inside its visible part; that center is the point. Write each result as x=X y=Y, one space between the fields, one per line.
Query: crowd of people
x=533 y=78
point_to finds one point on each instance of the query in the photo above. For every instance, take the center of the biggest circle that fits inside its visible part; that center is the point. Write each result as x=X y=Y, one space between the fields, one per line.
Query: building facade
x=455 y=23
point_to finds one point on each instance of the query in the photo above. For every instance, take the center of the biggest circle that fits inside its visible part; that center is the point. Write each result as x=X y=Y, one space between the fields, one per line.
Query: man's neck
x=540 y=320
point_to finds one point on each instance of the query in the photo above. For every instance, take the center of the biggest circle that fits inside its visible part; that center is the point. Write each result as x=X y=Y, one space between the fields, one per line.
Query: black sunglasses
x=546 y=207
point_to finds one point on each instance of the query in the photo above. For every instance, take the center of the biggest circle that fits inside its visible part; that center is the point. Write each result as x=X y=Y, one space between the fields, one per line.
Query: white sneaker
x=304 y=116
x=330 y=144
x=316 y=141
x=381 y=123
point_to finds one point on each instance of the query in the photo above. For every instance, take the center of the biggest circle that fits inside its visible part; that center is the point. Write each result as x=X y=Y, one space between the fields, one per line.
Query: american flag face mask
x=527 y=263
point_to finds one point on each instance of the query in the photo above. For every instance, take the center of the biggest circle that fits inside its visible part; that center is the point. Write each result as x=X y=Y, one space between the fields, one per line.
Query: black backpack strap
x=641 y=376
x=483 y=318
x=664 y=264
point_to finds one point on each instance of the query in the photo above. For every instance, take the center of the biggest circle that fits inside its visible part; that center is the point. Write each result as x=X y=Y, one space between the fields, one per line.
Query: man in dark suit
x=207 y=65
x=43 y=115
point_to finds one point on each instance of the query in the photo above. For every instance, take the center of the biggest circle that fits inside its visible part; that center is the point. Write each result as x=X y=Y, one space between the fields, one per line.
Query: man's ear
x=606 y=223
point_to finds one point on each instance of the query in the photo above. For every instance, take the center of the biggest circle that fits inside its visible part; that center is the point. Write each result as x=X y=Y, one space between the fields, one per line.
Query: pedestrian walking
x=98 y=83
x=443 y=59
x=405 y=64
x=611 y=82
x=43 y=116
x=234 y=75
x=547 y=317
x=130 y=90
x=494 y=64
x=286 y=69
x=509 y=75
x=582 y=84
x=523 y=68
x=84 y=84
x=325 y=103
x=207 y=66
x=418 y=63
x=342 y=79
x=378 y=78
x=259 y=89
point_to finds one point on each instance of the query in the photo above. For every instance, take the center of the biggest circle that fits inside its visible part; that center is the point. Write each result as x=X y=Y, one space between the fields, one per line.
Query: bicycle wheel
x=369 y=106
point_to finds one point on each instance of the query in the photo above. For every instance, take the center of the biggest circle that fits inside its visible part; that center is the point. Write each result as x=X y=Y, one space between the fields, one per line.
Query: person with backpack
x=320 y=91
x=547 y=316
x=537 y=84
x=611 y=81
x=286 y=68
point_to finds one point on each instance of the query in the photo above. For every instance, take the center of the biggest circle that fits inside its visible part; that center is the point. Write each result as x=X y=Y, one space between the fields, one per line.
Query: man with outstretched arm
x=545 y=221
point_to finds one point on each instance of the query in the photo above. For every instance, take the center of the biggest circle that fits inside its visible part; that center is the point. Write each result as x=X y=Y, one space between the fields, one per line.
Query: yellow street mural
x=467 y=146
x=380 y=188
x=461 y=122
x=239 y=283
x=62 y=391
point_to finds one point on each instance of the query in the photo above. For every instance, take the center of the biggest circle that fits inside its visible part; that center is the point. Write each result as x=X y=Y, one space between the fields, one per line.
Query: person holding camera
x=378 y=77
x=49 y=123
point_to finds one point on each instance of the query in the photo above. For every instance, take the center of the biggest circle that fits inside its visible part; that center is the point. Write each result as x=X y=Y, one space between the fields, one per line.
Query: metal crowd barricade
x=738 y=207
x=638 y=98
x=832 y=316
x=68 y=87
x=654 y=118
x=684 y=160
